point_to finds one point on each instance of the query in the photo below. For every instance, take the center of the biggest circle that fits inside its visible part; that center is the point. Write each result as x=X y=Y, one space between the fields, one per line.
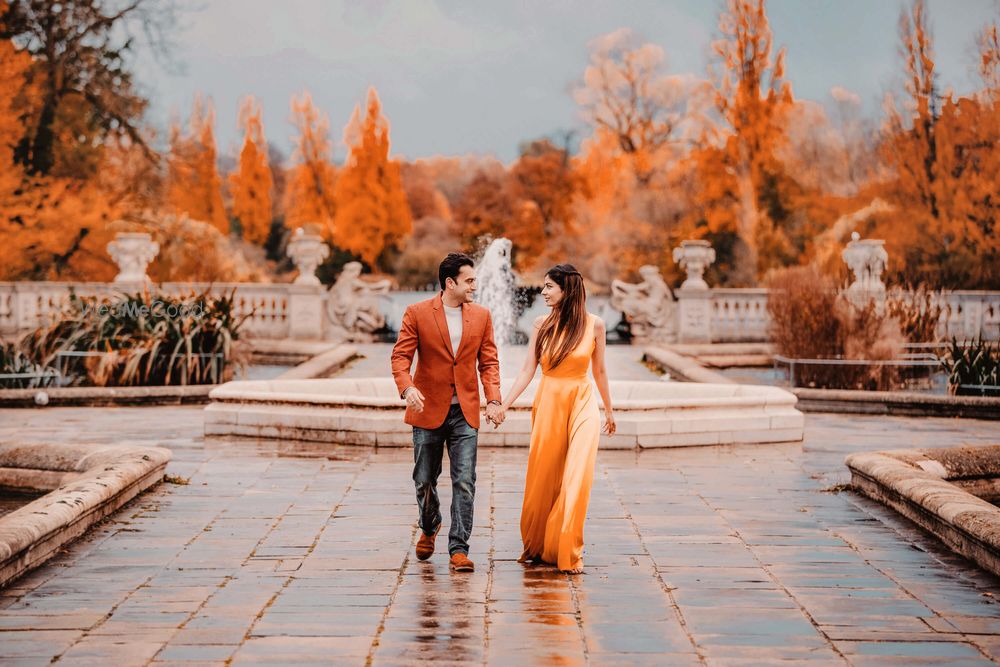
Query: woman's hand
x=609 y=424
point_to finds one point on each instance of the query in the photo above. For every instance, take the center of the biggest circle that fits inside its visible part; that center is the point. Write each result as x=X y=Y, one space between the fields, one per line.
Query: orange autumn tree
x=644 y=120
x=988 y=41
x=309 y=188
x=372 y=212
x=194 y=187
x=544 y=175
x=251 y=183
x=627 y=93
x=52 y=228
x=744 y=195
x=489 y=208
x=85 y=89
x=14 y=65
x=943 y=155
x=624 y=222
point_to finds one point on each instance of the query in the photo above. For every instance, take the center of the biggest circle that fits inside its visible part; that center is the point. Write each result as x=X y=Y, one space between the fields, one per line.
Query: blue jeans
x=428 y=451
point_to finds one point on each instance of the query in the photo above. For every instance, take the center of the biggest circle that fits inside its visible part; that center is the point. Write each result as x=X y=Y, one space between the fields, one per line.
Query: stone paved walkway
x=282 y=553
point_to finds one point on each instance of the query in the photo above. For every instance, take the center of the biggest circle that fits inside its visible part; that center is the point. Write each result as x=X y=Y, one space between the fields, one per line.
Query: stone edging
x=685 y=368
x=107 y=396
x=91 y=482
x=368 y=411
x=925 y=485
x=910 y=404
x=323 y=363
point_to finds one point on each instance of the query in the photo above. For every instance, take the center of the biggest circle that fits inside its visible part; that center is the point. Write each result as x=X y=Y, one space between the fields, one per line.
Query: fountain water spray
x=496 y=290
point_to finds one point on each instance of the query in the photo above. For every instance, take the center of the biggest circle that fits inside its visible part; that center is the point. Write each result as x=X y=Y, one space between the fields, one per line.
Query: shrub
x=918 y=312
x=14 y=361
x=142 y=339
x=810 y=320
x=973 y=368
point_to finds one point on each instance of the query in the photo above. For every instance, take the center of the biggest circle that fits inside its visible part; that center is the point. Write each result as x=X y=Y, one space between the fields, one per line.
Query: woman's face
x=551 y=292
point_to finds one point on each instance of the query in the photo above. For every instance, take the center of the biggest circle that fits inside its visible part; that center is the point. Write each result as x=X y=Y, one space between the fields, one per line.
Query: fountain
x=369 y=411
x=496 y=290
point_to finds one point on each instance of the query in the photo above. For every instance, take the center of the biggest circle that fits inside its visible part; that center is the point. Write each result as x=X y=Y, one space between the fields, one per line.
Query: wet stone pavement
x=288 y=553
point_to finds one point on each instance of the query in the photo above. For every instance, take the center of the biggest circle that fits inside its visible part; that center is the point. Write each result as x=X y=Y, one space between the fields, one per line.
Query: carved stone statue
x=649 y=305
x=353 y=304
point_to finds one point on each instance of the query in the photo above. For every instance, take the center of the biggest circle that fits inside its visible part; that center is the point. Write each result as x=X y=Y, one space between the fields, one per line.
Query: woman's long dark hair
x=563 y=329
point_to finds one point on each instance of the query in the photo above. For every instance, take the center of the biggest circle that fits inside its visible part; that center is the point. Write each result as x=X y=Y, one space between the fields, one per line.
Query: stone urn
x=694 y=257
x=132 y=252
x=867 y=260
x=307 y=251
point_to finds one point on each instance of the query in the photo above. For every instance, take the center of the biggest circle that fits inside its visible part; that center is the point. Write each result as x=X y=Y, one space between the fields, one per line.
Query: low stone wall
x=682 y=367
x=85 y=482
x=321 y=359
x=287 y=351
x=322 y=365
x=910 y=404
x=938 y=489
x=368 y=411
x=684 y=362
x=105 y=396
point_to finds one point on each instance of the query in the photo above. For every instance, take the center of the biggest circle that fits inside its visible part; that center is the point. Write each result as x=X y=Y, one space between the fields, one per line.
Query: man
x=452 y=336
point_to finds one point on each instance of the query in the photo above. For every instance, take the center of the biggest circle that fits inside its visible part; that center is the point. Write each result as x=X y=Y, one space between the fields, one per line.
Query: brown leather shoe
x=425 y=545
x=461 y=563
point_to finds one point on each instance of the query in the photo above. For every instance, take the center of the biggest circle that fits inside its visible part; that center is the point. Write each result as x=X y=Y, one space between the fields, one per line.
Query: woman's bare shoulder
x=538 y=321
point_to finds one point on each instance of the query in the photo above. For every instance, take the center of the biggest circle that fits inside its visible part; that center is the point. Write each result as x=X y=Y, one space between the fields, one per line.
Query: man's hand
x=495 y=413
x=414 y=399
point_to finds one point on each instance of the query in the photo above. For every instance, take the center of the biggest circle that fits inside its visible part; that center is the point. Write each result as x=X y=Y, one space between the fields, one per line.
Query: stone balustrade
x=733 y=314
x=739 y=315
x=693 y=313
x=25 y=305
x=968 y=313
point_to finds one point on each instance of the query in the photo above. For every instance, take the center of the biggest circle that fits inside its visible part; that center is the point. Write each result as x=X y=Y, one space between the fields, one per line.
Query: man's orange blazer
x=439 y=370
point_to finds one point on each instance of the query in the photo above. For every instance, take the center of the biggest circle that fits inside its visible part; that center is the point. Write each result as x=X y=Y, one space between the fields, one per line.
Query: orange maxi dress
x=565 y=430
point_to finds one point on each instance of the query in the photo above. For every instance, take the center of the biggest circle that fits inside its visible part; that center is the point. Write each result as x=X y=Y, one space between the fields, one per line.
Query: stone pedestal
x=305 y=311
x=694 y=299
x=694 y=309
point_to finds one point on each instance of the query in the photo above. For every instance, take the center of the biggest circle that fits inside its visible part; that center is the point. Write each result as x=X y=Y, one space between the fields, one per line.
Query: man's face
x=464 y=285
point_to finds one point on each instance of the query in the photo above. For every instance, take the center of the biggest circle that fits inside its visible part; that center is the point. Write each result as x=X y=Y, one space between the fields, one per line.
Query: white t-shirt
x=454 y=318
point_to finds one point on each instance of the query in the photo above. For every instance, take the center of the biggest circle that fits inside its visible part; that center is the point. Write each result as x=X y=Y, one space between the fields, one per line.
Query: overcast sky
x=469 y=76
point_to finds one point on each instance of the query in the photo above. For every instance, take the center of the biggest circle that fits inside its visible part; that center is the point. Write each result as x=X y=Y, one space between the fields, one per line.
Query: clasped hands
x=496 y=413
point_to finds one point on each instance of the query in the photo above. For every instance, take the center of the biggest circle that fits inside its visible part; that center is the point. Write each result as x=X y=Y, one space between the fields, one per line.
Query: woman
x=565 y=422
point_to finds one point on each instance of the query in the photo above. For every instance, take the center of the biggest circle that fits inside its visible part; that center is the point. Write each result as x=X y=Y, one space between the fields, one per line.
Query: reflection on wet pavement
x=279 y=552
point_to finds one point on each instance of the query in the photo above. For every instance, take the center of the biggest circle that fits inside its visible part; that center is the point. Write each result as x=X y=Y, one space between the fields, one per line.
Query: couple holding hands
x=453 y=340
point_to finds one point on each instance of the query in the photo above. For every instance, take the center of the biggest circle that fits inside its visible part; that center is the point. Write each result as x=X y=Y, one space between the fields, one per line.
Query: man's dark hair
x=451 y=265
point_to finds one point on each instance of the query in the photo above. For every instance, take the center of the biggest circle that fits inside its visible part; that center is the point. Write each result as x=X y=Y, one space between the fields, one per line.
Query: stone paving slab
x=278 y=553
